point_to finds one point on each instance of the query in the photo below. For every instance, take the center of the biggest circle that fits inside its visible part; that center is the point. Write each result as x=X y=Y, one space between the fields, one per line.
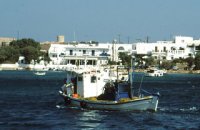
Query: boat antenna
x=140 y=86
x=132 y=75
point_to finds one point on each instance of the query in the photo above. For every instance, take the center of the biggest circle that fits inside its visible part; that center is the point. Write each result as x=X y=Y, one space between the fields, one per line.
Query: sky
x=100 y=20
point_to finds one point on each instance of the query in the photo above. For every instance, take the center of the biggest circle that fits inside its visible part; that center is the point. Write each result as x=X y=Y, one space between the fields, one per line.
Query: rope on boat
x=154 y=94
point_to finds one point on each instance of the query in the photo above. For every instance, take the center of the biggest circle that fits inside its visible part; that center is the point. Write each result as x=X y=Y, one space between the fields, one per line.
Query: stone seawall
x=15 y=66
x=8 y=66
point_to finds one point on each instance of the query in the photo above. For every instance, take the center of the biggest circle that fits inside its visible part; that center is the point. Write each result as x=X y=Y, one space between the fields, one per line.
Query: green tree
x=150 y=61
x=25 y=42
x=3 y=56
x=190 y=61
x=44 y=56
x=28 y=48
x=126 y=59
x=139 y=59
x=9 y=54
x=112 y=62
x=30 y=53
x=166 y=65
x=197 y=61
x=180 y=60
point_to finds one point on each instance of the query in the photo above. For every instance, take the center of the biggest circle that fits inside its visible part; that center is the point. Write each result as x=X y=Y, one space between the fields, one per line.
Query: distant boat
x=155 y=72
x=88 y=89
x=40 y=73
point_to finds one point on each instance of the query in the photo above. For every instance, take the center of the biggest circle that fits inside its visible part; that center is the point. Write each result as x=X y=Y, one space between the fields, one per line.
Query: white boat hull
x=154 y=75
x=154 y=72
x=140 y=104
x=40 y=73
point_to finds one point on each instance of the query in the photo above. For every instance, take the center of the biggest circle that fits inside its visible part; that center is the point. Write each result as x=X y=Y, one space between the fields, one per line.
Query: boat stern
x=154 y=102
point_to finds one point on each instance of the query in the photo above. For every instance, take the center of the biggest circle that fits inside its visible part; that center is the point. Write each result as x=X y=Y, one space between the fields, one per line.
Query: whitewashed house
x=166 y=50
x=78 y=54
x=93 y=53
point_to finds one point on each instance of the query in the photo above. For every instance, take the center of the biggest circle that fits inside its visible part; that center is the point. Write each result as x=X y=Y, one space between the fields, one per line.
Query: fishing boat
x=92 y=89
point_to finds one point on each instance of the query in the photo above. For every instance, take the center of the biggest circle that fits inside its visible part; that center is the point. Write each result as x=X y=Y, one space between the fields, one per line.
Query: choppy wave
x=191 y=110
x=31 y=102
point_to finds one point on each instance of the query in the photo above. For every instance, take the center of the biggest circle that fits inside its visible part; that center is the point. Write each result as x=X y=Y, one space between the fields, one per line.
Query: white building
x=167 y=50
x=5 y=41
x=119 y=47
x=93 y=53
x=79 y=54
x=76 y=53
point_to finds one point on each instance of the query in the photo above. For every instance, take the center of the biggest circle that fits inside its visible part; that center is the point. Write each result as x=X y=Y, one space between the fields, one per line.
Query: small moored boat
x=40 y=73
x=155 y=73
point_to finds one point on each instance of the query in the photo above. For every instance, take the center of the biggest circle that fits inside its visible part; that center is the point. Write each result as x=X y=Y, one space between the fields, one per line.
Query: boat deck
x=122 y=100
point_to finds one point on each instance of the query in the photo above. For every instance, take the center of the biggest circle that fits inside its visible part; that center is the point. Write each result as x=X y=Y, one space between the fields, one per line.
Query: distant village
x=63 y=54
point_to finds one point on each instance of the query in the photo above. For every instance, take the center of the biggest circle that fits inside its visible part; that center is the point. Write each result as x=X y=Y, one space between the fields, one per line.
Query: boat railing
x=149 y=93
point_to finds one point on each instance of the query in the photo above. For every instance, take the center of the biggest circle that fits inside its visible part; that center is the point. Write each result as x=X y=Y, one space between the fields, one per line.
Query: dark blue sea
x=30 y=102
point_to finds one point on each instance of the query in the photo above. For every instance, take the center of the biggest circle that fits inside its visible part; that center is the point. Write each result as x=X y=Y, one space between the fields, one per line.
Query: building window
x=121 y=48
x=156 y=49
x=93 y=52
x=93 y=79
x=61 y=55
x=54 y=55
x=197 y=48
x=94 y=62
x=73 y=62
x=80 y=78
x=70 y=52
x=84 y=51
x=164 y=49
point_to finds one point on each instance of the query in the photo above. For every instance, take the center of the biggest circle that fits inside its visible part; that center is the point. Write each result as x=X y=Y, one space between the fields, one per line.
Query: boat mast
x=131 y=76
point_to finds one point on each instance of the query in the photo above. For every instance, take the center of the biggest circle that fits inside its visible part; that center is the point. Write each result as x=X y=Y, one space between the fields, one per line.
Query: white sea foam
x=60 y=106
x=189 y=109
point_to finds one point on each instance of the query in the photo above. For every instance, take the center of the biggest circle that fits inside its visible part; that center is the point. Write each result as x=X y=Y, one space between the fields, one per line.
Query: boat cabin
x=96 y=83
x=122 y=91
x=87 y=83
